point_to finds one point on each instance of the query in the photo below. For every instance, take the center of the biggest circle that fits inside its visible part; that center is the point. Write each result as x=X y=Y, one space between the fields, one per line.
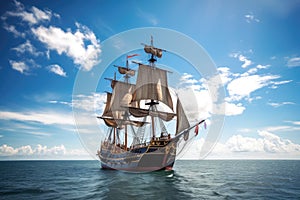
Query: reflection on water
x=150 y=185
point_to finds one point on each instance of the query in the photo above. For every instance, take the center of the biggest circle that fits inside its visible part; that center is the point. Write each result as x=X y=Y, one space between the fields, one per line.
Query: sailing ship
x=139 y=112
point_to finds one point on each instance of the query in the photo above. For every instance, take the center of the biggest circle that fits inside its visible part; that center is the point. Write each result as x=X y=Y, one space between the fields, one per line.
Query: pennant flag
x=196 y=130
x=205 y=125
x=133 y=55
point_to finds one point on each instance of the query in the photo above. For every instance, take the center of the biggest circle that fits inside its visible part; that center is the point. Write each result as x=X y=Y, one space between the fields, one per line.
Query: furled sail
x=125 y=70
x=153 y=50
x=139 y=112
x=120 y=123
x=152 y=84
x=110 y=122
x=182 y=121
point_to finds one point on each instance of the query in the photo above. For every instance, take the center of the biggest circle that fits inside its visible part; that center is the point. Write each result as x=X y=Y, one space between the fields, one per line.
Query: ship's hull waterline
x=150 y=158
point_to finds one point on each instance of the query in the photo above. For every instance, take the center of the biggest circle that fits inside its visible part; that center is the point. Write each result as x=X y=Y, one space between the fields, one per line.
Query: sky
x=255 y=46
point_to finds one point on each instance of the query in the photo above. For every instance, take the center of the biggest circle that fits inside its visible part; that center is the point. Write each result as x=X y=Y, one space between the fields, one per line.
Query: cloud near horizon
x=41 y=152
x=266 y=146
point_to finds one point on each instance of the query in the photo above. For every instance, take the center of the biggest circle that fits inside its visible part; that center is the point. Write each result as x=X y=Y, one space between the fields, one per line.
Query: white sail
x=122 y=96
x=182 y=121
x=152 y=85
x=107 y=110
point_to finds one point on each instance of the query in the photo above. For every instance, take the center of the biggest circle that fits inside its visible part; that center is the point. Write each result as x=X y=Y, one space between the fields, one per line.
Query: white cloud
x=241 y=58
x=27 y=47
x=276 y=105
x=293 y=62
x=294 y=122
x=90 y=103
x=187 y=79
x=242 y=87
x=266 y=146
x=273 y=143
x=239 y=87
x=46 y=118
x=282 y=128
x=41 y=152
x=33 y=16
x=249 y=72
x=72 y=44
x=197 y=104
x=262 y=66
x=225 y=74
x=231 y=109
x=246 y=61
x=56 y=69
x=12 y=29
x=21 y=67
x=244 y=130
x=251 y=18
x=41 y=15
x=274 y=84
x=200 y=98
x=82 y=46
x=238 y=143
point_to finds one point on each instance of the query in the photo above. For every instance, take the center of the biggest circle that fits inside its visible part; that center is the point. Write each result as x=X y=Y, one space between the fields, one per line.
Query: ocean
x=204 y=179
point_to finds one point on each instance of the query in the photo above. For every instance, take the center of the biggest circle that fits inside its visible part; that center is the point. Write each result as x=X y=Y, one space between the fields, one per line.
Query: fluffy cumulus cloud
x=19 y=66
x=266 y=146
x=246 y=62
x=230 y=109
x=56 y=69
x=82 y=45
x=240 y=88
x=31 y=16
x=41 y=152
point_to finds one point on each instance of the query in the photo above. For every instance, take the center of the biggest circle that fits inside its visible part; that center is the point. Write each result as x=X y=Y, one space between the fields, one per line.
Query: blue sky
x=255 y=46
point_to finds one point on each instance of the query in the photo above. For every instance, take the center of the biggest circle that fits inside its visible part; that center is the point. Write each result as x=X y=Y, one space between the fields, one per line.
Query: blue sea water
x=204 y=179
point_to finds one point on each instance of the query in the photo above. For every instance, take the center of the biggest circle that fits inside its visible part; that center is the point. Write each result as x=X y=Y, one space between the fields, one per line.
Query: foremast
x=115 y=114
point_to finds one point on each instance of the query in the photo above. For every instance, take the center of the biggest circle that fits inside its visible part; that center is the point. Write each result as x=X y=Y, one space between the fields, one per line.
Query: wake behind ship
x=138 y=113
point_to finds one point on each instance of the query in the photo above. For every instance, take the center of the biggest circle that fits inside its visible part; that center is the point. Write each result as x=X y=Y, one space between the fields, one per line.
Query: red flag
x=130 y=56
x=196 y=130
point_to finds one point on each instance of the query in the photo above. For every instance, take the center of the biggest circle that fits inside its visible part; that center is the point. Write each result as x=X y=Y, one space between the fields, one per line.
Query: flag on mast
x=132 y=55
x=196 y=130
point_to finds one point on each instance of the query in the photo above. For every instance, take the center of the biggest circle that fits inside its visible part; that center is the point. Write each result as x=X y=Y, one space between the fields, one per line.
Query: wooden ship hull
x=159 y=154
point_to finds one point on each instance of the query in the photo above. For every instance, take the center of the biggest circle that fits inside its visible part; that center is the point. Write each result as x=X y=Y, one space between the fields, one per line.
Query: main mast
x=154 y=52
